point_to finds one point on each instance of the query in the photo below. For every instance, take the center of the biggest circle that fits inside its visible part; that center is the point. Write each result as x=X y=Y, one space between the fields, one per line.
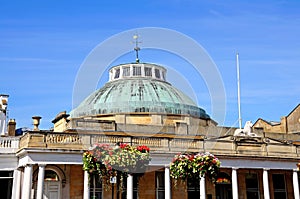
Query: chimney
x=36 y=122
x=60 y=121
x=11 y=127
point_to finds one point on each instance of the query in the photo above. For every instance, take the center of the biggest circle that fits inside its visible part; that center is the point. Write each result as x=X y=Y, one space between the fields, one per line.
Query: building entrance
x=52 y=185
x=51 y=190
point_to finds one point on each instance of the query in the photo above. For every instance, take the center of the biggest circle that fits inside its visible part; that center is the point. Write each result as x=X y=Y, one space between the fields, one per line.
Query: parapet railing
x=227 y=145
x=9 y=144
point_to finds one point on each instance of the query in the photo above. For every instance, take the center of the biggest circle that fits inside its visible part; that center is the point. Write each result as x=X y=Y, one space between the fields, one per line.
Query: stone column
x=167 y=183
x=202 y=188
x=27 y=182
x=296 y=184
x=16 y=184
x=129 y=186
x=40 y=185
x=266 y=184
x=235 y=191
x=86 y=186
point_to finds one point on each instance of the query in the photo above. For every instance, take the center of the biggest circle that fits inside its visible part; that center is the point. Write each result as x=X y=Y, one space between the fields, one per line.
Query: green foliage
x=107 y=160
x=197 y=165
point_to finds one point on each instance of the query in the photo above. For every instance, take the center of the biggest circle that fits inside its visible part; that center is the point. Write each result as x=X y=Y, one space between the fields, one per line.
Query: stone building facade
x=137 y=106
x=289 y=124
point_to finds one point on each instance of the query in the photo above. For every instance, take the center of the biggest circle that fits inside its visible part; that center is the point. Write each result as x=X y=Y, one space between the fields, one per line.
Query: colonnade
x=27 y=182
x=28 y=172
x=235 y=191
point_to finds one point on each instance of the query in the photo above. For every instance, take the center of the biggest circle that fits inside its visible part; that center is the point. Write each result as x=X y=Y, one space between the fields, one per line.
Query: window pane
x=126 y=71
x=6 y=173
x=160 y=180
x=117 y=73
x=137 y=71
x=163 y=75
x=252 y=186
x=279 y=181
x=6 y=188
x=160 y=185
x=95 y=187
x=161 y=195
x=193 y=186
x=251 y=181
x=279 y=195
x=279 y=186
x=51 y=175
x=157 y=74
x=252 y=195
x=148 y=72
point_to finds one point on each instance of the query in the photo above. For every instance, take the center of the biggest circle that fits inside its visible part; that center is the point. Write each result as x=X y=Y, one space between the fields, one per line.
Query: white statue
x=246 y=131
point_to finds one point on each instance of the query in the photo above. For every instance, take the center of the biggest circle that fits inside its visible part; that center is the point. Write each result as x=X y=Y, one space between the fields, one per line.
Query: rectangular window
x=279 y=186
x=157 y=74
x=126 y=71
x=163 y=75
x=193 y=188
x=95 y=186
x=137 y=71
x=160 y=185
x=252 y=186
x=148 y=72
x=6 y=180
x=117 y=74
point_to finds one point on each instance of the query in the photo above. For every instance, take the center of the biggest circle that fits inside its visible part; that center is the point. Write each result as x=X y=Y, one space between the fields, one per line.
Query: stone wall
x=76 y=182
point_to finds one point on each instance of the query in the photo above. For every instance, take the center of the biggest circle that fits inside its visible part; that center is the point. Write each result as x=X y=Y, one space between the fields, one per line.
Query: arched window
x=51 y=176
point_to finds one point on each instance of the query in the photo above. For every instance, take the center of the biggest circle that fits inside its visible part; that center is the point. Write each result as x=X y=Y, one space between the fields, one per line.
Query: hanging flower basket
x=197 y=165
x=107 y=160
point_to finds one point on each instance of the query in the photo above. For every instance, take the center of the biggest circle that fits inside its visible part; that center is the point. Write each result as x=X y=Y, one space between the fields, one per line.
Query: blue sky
x=43 y=44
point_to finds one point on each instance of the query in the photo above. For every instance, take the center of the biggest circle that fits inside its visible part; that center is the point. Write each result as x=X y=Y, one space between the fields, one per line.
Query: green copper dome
x=132 y=89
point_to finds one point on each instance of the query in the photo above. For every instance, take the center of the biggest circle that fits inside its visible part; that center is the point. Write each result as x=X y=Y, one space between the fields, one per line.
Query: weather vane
x=137 y=48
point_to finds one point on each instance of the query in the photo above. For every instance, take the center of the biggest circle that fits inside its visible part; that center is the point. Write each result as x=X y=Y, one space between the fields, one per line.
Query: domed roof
x=132 y=89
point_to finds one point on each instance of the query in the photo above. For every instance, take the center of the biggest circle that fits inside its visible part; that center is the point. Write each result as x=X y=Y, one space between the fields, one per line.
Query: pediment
x=275 y=141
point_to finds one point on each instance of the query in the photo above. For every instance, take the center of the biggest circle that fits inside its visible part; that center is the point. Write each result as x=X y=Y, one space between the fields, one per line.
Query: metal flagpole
x=239 y=90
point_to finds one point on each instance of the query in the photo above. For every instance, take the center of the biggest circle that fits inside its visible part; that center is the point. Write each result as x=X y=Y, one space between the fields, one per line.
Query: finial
x=136 y=48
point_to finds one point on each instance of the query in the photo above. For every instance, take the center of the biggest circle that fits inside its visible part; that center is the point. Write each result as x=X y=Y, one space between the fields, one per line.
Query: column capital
x=42 y=165
x=234 y=168
x=266 y=169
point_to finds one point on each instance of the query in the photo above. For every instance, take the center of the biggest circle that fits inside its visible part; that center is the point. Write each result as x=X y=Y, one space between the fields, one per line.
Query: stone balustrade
x=9 y=144
x=157 y=143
